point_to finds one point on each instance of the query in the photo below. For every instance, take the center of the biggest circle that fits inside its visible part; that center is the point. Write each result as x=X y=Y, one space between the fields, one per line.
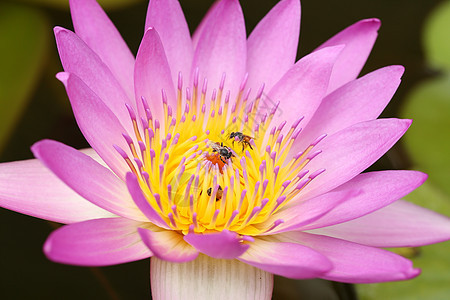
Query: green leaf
x=437 y=37
x=427 y=141
x=24 y=41
x=432 y=259
x=106 y=4
x=431 y=197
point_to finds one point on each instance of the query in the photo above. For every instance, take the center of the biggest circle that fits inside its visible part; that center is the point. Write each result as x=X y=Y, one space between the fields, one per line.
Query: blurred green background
x=34 y=106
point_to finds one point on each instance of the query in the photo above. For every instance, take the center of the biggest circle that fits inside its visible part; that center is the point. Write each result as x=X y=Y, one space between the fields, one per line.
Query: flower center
x=212 y=166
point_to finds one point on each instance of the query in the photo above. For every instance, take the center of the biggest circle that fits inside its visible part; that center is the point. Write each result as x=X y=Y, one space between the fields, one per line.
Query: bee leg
x=243 y=146
x=250 y=146
x=223 y=160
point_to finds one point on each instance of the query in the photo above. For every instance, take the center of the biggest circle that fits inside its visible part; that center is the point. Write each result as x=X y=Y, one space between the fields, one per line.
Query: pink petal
x=225 y=244
x=358 y=40
x=355 y=263
x=401 y=224
x=378 y=190
x=299 y=214
x=168 y=245
x=210 y=14
x=88 y=178
x=152 y=75
x=30 y=188
x=77 y=58
x=272 y=45
x=166 y=16
x=357 y=101
x=96 y=29
x=222 y=47
x=100 y=242
x=302 y=88
x=286 y=259
x=142 y=202
x=98 y=124
x=348 y=152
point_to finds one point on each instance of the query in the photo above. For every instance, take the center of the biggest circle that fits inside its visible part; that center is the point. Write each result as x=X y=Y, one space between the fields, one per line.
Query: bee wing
x=213 y=145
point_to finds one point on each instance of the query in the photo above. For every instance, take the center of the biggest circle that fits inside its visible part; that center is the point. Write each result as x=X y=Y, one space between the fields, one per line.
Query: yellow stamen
x=182 y=164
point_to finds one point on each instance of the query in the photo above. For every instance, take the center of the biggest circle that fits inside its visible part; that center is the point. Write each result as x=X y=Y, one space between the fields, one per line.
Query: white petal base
x=207 y=278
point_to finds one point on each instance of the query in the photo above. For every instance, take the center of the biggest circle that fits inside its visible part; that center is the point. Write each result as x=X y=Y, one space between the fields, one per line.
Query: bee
x=223 y=151
x=218 y=194
x=241 y=138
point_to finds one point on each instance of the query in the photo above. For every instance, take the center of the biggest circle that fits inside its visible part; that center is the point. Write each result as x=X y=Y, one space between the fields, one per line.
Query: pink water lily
x=167 y=178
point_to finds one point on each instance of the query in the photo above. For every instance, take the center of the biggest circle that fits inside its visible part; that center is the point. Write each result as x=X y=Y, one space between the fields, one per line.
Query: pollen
x=217 y=163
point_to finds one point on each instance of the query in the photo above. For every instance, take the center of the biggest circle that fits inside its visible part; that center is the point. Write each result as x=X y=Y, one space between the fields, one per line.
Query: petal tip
x=291 y=4
x=130 y=177
x=422 y=177
x=400 y=69
x=37 y=147
x=58 y=29
x=61 y=33
x=47 y=247
x=63 y=77
x=372 y=22
x=403 y=125
x=412 y=273
x=395 y=70
x=332 y=51
x=408 y=122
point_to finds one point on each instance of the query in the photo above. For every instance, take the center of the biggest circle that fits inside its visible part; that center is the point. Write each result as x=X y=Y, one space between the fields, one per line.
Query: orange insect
x=241 y=138
x=223 y=151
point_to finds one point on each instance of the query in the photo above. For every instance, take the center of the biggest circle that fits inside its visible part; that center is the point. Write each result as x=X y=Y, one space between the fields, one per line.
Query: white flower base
x=207 y=278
